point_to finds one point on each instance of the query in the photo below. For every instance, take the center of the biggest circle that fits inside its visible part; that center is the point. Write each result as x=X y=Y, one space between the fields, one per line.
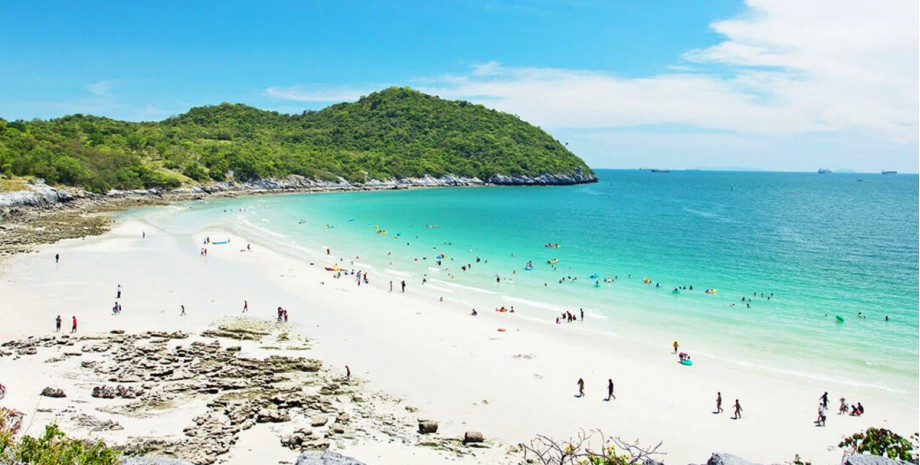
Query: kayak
x=333 y=268
x=553 y=261
x=221 y=242
x=839 y=318
x=593 y=276
x=687 y=362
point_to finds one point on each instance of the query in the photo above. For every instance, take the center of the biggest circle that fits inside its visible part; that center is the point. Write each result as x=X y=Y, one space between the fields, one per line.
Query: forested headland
x=396 y=133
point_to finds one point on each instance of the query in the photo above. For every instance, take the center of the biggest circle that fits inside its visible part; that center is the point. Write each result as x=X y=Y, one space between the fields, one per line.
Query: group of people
x=116 y=309
x=282 y=315
x=58 y=321
x=581 y=389
x=737 y=407
x=854 y=410
x=569 y=317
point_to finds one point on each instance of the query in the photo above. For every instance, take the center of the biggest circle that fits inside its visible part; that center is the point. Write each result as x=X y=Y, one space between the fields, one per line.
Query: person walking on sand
x=582 y=313
x=391 y=286
x=183 y=310
x=822 y=415
x=245 y=306
x=610 y=390
x=57 y=324
x=823 y=399
x=581 y=388
x=347 y=373
x=719 y=402
x=118 y=292
x=73 y=328
x=738 y=410
x=676 y=346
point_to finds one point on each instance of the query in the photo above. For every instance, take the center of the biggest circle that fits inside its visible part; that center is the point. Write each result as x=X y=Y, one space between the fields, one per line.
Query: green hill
x=392 y=134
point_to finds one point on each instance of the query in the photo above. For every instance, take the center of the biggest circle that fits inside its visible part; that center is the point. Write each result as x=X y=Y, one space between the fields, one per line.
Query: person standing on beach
x=391 y=286
x=245 y=306
x=582 y=313
x=347 y=373
x=73 y=328
x=57 y=257
x=403 y=286
x=183 y=310
x=719 y=402
x=57 y=324
x=118 y=292
x=676 y=346
x=610 y=390
x=738 y=410
x=581 y=388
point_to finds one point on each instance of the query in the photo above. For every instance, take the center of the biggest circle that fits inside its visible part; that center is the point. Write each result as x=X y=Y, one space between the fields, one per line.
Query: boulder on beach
x=472 y=437
x=53 y=392
x=427 y=426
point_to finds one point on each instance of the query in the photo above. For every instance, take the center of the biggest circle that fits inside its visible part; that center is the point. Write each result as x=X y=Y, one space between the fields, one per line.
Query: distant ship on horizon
x=656 y=170
x=824 y=171
x=889 y=172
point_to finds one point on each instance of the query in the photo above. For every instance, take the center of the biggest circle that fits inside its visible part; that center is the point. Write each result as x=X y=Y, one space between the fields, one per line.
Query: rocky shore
x=127 y=378
x=45 y=215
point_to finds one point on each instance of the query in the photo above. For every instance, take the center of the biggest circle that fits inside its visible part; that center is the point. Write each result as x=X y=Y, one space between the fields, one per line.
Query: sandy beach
x=506 y=375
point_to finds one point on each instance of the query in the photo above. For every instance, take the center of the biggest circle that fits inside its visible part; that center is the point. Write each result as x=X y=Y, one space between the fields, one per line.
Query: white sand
x=457 y=369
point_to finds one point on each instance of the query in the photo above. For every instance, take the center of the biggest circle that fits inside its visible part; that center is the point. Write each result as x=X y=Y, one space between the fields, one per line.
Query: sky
x=758 y=84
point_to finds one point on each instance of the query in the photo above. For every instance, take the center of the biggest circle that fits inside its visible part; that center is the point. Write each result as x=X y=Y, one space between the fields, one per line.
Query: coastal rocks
x=248 y=331
x=53 y=392
x=272 y=416
x=873 y=460
x=153 y=461
x=103 y=392
x=325 y=458
x=125 y=392
x=427 y=427
x=721 y=458
x=146 y=373
x=296 y=439
x=39 y=193
x=471 y=437
x=544 y=179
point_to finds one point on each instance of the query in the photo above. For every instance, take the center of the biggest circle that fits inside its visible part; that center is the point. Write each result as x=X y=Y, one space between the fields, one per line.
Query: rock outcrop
x=325 y=458
x=874 y=460
x=53 y=392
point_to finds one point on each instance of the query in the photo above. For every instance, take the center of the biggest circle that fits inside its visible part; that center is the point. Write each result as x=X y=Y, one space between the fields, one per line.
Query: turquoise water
x=822 y=245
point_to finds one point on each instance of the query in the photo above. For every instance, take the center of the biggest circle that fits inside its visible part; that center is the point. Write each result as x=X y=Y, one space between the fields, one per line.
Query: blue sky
x=761 y=84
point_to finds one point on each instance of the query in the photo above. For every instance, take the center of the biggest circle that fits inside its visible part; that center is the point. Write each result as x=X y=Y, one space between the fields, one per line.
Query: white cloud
x=100 y=88
x=315 y=94
x=784 y=68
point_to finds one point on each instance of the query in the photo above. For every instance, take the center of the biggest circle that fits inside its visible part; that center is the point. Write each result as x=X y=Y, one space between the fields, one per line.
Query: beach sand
x=454 y=368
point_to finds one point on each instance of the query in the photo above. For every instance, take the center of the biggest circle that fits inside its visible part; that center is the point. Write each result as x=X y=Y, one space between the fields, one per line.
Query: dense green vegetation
x=394 y=133
x=51 y=448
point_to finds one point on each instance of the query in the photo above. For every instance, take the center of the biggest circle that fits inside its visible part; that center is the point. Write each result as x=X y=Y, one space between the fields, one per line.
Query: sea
x=805 y=274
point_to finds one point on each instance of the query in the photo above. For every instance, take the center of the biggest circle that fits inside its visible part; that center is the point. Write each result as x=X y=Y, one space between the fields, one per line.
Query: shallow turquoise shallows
x=821 y=245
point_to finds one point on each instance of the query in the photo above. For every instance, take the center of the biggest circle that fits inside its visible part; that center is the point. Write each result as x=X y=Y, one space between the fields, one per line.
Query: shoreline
x=456 y=368
x=46 y=218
